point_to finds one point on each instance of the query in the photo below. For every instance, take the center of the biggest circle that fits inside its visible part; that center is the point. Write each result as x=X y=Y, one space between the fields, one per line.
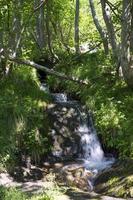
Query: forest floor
x=47 y=183
x=33 y=187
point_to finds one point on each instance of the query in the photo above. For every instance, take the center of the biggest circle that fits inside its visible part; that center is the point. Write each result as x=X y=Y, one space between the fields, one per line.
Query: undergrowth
x=106 y=96
x=23 y=122
x=16 y=194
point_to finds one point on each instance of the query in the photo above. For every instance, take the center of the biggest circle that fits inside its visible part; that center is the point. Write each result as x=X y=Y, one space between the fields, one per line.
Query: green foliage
x=108 y=98
x=16 y=194
x=118 y=181
x=23 y=120
x=42 y=197
x=11 y=194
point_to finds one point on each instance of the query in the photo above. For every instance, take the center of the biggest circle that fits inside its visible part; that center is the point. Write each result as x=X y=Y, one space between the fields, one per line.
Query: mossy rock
x=117 y=181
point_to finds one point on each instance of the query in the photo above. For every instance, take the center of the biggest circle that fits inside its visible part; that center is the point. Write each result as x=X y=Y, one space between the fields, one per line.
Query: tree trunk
x=40 y=27
x=2 y=58
x=132 y=28
x=76 y=36
x=98 y=26
x=110 y=28
x=48 y=71
x=48 y=31
x=126 y=58
x=14 y=37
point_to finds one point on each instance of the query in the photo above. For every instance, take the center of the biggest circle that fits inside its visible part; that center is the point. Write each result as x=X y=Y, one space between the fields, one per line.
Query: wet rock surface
x=51 y=174
x=116 y=181
x=75 y=175
x=64 y=121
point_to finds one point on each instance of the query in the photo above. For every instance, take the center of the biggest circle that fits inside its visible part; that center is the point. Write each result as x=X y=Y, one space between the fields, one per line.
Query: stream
x=89 y=151
x=86 y=154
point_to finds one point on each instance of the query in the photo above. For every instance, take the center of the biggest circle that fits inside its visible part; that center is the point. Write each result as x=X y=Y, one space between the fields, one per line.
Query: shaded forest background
x=85 y=49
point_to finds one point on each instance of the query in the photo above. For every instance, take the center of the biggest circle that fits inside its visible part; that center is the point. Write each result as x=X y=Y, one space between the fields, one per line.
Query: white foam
x=92 y=152
x=60 y=97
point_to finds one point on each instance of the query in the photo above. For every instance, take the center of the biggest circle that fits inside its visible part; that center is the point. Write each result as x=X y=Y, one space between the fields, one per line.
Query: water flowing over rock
x=74 y=138
x=73 y=133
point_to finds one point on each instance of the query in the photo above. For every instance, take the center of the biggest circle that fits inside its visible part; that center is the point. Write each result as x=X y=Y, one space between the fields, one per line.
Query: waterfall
x=59 y=97
x=91 y=147
x=91 y=152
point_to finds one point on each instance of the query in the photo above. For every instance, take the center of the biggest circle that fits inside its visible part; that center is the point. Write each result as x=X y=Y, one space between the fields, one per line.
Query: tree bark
x=110 y=28
x=126 y=58
x=48 y=71
x=48 y=31
x=14 y=43
x=2 y=48
x=132 y=28
x=40 y=27
x=98 y=26
x=76 y=34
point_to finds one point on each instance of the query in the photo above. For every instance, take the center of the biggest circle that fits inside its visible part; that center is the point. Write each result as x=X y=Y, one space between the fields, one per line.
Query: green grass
x=16 y=194
x=23 y=122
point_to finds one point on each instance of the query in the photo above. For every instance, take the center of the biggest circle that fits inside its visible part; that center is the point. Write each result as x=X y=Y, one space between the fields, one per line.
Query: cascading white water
x=44 y=87
x=60 y=97
x=92 y=152
x=91 y=147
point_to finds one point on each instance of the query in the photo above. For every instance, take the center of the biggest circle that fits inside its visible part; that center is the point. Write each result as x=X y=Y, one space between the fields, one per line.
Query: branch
x=48 y=71
x=113 y=8
x=26 y=24
x=40 y=5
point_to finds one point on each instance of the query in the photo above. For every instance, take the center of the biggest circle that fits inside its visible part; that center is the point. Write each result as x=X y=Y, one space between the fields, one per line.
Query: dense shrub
x=107 y=96
x=16 y=194
x=11 y=194
x=23 y=122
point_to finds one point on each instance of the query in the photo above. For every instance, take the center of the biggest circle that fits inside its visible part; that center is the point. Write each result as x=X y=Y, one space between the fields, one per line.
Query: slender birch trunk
x=49 y=35
x=110 y=28
x=126 y=57
x=40 y=25
x=76 y=34
x=99 y=27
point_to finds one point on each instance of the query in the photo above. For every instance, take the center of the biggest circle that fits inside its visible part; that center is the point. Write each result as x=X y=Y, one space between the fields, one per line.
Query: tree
x=122 y=47
x=99 y=27
x=76 y=34
x=127 y=42
x=40 y=27
x=110 y=27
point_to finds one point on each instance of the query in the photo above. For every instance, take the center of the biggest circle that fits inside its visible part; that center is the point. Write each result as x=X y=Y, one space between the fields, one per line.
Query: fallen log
x=48 y=71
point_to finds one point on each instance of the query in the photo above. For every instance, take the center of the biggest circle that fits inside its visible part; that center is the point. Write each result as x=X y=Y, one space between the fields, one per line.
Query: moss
x=113 y=181
x=116 y=181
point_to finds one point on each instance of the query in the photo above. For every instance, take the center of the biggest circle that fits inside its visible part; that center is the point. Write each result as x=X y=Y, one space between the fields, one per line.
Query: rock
x=131 y=191
x=116 y=181
x=76 y=175
x=64 y=121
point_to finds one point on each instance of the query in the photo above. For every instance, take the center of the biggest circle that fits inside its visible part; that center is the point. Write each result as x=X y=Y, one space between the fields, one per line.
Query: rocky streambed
x=114 y=183
x=76 y=161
